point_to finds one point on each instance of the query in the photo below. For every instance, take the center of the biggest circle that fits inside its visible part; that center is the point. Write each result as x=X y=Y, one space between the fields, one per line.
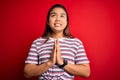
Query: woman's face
x=57 y=20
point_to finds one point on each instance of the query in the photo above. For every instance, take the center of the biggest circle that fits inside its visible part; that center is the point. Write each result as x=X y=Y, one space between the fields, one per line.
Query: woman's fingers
x=58 y=54
x=57 y=45
x=53 y=55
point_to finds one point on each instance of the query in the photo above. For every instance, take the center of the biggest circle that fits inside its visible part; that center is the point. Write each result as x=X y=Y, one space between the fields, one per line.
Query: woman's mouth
x=57 y=24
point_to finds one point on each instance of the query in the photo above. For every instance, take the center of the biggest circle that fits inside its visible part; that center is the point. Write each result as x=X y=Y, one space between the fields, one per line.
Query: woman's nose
x=57 y=18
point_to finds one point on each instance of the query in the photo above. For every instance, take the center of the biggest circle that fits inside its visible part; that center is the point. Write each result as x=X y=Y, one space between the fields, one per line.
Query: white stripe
x=81 y=50
x=68 y=57
x=34 y=54
x=83 y=58
x=33 y=45
x=68 y=49
x=33 y=49
x=67 y=53
x=45 y=48
x=46 y=45
x=81 y=54
x=47 y=51
x=32 y=58
x=31 y=62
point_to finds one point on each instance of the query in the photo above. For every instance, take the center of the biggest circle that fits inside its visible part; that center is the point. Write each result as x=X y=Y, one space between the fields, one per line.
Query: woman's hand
x=56 y=54
x=53 y=55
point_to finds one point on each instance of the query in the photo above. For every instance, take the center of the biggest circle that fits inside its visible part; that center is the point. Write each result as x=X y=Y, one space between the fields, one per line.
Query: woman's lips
x=57 y=24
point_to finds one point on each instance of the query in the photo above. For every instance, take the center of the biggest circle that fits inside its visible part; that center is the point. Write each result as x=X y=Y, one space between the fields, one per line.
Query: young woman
x=57 y=55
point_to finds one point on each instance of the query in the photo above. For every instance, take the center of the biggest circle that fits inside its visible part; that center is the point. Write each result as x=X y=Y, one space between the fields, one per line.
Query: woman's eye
x=52 y=15
x=62 y=16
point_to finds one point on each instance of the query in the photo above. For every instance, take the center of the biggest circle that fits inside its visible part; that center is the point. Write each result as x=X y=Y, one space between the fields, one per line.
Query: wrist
x=64 y=64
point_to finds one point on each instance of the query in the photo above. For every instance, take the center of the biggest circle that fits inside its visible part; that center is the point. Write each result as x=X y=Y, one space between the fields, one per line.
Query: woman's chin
x=58 y=30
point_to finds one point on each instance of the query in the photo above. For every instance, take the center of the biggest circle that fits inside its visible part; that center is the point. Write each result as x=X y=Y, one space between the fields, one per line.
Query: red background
x=95 y=22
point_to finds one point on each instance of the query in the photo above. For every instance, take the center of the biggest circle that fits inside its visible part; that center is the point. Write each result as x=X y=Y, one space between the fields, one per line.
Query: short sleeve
x=81 y=56
x=32 y=55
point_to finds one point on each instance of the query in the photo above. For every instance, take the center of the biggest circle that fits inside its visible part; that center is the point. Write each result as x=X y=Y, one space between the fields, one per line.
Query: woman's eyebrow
x=53 y=13
x=63 y=13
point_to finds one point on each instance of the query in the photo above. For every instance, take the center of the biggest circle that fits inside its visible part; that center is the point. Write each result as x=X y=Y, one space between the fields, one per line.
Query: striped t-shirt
x=71 y=49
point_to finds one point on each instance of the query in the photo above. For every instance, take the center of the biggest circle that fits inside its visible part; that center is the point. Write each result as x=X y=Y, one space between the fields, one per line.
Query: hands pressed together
x=56 y=54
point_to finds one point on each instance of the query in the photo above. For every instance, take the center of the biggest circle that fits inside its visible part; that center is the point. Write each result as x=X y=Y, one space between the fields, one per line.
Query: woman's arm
x=31 y=70
x=78 y=69
x=75 y=69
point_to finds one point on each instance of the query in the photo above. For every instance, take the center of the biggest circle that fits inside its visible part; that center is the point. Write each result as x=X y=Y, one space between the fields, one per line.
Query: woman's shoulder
x=39 y=40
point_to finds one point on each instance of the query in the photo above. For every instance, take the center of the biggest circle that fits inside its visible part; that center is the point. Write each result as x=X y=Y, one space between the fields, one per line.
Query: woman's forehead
x=58 y=11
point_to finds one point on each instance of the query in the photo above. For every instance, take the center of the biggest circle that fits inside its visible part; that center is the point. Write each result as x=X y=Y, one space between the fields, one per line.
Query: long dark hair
x=48 y=30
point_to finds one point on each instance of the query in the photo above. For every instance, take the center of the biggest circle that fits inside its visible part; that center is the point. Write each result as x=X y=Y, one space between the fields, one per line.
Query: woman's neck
x=57 y=35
